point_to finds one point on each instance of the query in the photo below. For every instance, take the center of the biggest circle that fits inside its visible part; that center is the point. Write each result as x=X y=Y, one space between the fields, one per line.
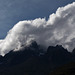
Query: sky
x=13 y=11
x=56 y=29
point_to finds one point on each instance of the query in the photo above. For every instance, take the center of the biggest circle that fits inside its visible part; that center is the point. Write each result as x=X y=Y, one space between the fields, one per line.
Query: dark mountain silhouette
x=34 y=60
x=73 y=53
x=67 y=69
x=58 y=54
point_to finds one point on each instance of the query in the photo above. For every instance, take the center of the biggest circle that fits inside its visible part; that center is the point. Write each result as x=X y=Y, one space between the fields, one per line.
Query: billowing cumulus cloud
x=58 y=29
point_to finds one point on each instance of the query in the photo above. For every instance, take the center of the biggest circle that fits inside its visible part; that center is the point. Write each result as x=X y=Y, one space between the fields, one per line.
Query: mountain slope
x=33 y=60
x=67 y=69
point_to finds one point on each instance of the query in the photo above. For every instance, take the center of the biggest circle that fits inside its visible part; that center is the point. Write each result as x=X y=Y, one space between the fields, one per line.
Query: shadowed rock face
x=58 y=54
x=73 y=53
x=32 y=60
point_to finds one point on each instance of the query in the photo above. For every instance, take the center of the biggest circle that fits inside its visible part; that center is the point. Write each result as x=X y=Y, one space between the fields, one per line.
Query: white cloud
x=59 y=29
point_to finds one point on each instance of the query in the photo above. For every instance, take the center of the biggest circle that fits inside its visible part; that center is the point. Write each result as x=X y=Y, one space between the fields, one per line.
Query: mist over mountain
x=40 y=46
x=58 y=29
x=34 y=60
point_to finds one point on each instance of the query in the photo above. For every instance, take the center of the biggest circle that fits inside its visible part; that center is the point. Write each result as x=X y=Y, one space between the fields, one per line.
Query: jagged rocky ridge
x=34 y=60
